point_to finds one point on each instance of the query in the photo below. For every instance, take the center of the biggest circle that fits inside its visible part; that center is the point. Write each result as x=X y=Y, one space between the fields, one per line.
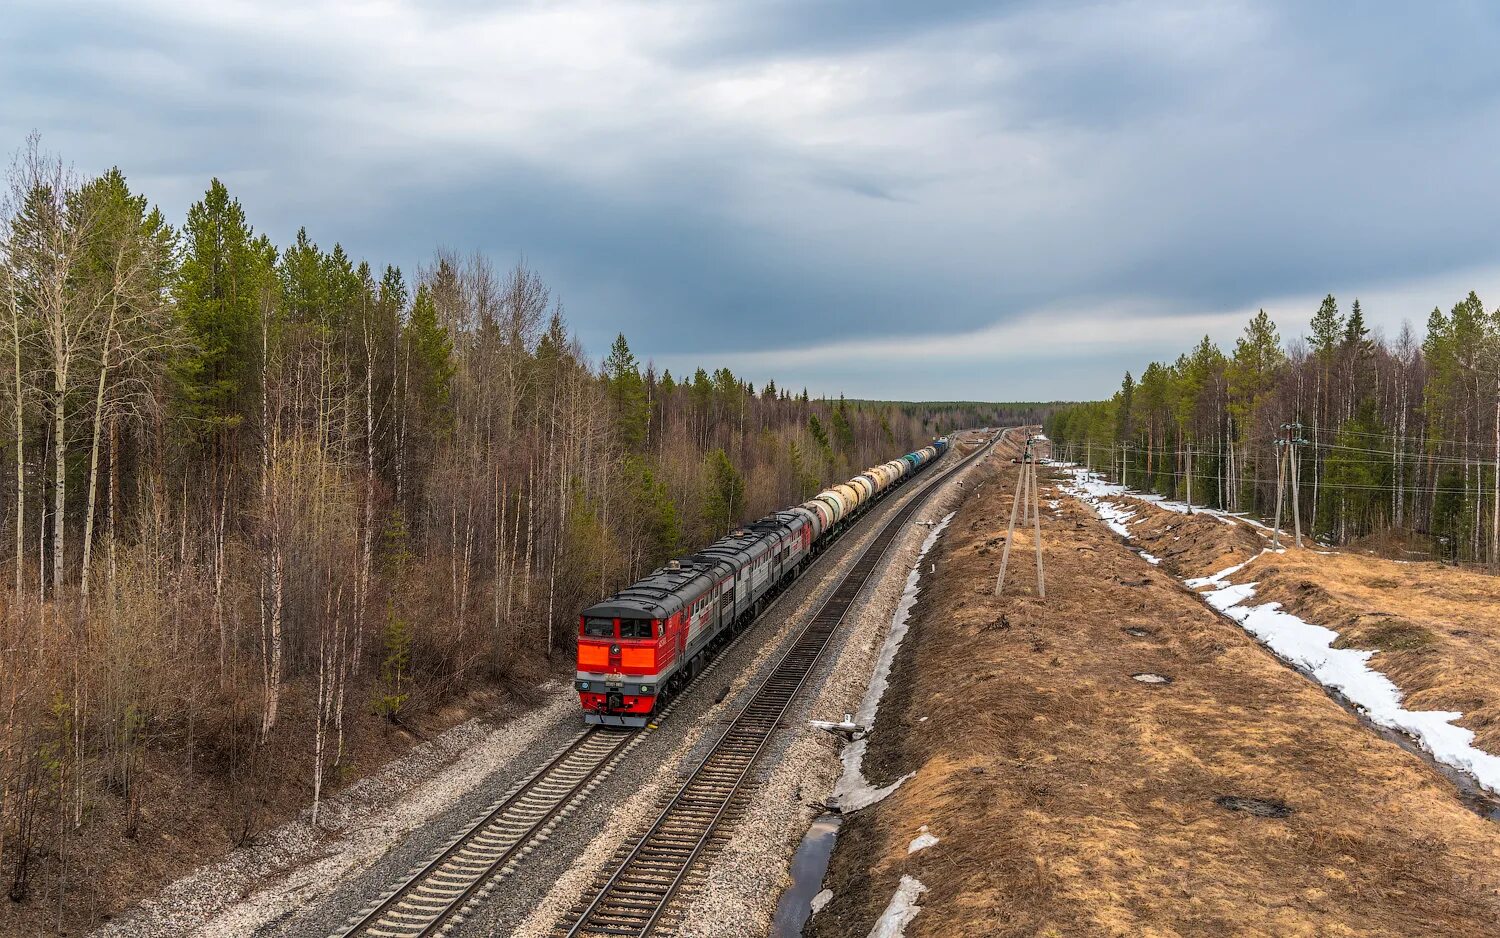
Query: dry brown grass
x=1436 y=628
x=1192 y=545
x=1073 y=800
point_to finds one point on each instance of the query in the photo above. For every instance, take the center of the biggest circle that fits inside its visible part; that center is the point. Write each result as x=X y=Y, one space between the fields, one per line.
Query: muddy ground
x=1070 y=798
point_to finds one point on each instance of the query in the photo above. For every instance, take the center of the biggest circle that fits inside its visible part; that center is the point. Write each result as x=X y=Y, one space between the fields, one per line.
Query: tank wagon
x=643 y=644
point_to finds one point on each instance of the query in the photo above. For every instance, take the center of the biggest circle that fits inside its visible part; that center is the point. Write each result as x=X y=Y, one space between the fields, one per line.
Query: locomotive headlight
x=583 y=685
x=614 y=649
x=645 y=688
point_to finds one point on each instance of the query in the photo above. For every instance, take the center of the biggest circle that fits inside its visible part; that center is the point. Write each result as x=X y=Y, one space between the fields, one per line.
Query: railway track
x=637 y=897
x=438 y=893
x=463 y=870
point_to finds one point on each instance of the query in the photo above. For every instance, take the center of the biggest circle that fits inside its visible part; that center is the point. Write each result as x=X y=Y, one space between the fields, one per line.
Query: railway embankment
x=1120 y=759
x=1413 y=645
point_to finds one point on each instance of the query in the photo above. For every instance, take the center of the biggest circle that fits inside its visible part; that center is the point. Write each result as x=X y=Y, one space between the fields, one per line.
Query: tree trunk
x=94 y=445
x=60 y=456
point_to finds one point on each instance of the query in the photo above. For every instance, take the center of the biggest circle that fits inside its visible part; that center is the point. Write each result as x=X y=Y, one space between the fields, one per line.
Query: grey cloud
x=1085 y=155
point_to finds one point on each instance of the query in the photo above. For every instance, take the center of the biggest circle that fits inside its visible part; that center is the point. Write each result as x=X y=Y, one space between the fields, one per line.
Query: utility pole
x=1287 y=465
x=1026 y=495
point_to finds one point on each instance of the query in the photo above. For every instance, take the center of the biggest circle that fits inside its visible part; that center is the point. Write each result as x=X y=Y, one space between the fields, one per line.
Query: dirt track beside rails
x=1071 y=799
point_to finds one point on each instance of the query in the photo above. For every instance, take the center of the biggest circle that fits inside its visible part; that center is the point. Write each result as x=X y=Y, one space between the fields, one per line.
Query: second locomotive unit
x=640 y=646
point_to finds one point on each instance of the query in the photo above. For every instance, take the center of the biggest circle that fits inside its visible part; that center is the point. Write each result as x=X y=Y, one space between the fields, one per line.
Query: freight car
x=643 y=644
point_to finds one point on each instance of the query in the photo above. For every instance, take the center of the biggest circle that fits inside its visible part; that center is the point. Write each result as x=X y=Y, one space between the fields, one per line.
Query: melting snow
x=1309 y=647
x=901 y=910
x=922 y=841
x=853 y=790
x=821 y=900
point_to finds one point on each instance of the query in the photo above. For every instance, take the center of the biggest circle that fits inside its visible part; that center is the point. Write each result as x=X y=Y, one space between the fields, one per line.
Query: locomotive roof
x=667 y=589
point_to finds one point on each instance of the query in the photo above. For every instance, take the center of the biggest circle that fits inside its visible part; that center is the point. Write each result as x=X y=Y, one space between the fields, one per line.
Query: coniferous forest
x=1393 y=440
x=265 y=502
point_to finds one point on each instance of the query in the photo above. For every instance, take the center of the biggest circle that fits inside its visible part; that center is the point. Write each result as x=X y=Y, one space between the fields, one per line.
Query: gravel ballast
x=801 y=767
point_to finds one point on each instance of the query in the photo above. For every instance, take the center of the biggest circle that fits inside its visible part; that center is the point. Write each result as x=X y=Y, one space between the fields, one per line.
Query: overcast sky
x=936 y=200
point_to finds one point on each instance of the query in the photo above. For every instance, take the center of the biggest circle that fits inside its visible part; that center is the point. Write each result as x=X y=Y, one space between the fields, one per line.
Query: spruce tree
x=218 y=291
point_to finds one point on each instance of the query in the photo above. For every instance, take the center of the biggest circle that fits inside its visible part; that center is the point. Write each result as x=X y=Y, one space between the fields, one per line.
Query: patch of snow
x=842 y=728
x=922 y=841
x=1310 y=648
x=821 y=900
x=1094 y=489
x=1150 y=558
x=853 y=790
x=901 y=910
x=1218 y=579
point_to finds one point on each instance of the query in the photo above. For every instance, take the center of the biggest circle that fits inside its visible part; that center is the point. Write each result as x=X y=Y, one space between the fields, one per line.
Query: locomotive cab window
x=599 y=628
x=635 y=628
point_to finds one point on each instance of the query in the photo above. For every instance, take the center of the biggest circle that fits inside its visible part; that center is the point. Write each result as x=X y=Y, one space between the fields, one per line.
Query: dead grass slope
x=1436 y=628
x=1071 y=799
x=1192 y=545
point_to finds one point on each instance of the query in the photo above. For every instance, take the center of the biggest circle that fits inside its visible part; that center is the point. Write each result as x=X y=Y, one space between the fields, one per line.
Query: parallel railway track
x=438 y=893
x=464 y=869
x=637 y=898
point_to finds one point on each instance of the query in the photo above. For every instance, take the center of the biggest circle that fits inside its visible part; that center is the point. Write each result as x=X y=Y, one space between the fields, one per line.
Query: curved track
x=650 y=874
x=437 y=893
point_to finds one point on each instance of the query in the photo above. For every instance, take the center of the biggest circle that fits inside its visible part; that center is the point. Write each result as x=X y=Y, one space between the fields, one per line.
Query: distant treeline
x=941 y=417
x=259 y=497
x=1390 y=434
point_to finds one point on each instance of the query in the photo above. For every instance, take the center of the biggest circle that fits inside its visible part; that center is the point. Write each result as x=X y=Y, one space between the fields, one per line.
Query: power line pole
x=1288 y=466
x=1027 y=499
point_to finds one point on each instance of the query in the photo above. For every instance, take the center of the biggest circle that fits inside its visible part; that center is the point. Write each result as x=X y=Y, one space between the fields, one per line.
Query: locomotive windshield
x=635 y=628
x=599 y=628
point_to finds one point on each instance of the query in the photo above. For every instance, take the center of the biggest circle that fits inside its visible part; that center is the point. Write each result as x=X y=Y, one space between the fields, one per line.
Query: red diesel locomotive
x=640 y=646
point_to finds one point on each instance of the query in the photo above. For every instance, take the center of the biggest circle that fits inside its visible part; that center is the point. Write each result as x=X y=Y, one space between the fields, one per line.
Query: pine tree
x=218 y=290
x=1327 y=326
x=627 y=393
x=843 y=433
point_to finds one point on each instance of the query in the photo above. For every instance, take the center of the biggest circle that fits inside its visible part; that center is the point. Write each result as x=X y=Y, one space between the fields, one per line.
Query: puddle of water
x=809 y=865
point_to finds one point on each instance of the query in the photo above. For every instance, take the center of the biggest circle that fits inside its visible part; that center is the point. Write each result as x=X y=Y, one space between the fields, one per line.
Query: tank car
x=643 y=644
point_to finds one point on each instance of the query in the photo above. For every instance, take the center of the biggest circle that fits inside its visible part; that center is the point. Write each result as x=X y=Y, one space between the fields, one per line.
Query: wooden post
x=1293 y=465
x=1026 y=495
x=1036 y=519
x=1010 y=531
x=1280 y=494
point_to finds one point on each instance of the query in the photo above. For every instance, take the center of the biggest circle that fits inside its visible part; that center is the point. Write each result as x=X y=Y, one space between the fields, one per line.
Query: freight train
x=642 y=645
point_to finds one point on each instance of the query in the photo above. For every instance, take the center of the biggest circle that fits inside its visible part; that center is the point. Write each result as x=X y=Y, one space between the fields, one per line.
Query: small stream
x=809 y=866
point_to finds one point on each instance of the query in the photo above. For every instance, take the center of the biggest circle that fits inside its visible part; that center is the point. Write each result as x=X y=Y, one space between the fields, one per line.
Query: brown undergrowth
x=1072 y=799
x=193 y=813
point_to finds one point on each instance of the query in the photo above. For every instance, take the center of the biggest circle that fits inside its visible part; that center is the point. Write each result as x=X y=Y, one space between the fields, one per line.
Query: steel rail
x=437 y=892
x=632 y=899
